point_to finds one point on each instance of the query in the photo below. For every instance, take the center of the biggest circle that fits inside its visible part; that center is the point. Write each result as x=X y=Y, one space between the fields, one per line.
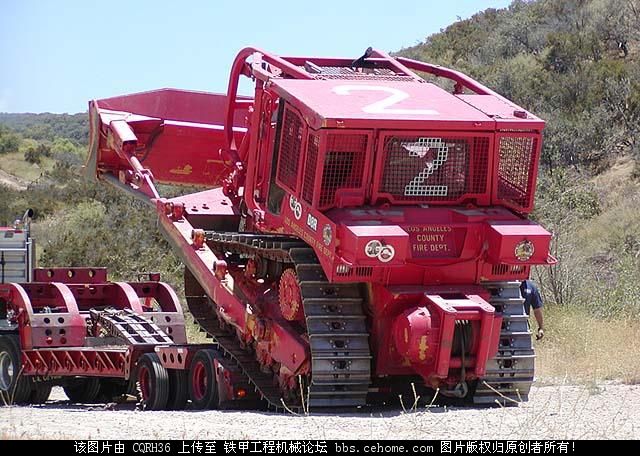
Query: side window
x=276 y=193
x=292 y=139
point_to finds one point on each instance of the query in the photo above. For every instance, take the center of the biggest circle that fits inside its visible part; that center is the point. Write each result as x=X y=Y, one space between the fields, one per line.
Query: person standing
x=533 y=300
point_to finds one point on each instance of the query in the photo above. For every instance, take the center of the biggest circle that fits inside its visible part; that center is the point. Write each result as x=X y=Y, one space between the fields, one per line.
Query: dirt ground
x=604 y=411
x=12 y=182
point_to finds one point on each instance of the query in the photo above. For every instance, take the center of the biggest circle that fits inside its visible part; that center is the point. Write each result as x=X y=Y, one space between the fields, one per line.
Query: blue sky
x=55 y=55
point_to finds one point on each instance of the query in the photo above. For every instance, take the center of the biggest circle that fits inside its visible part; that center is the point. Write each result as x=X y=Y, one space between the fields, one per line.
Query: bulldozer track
x=336 y=326
x=338 y=336
x=509 y=374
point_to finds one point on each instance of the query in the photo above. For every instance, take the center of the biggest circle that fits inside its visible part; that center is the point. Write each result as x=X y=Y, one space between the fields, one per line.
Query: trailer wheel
x=178 y=389
x=154 y=382
x=112 y=390
x=14 y=388
x=203 y=389
x=82 y=390
x=40 y=392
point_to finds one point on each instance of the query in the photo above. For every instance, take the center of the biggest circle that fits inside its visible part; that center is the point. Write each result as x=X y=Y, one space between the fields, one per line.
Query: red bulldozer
x=359 y=232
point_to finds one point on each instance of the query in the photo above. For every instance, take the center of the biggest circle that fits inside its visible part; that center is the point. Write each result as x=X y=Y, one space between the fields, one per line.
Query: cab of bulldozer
x=323 y=168
x=333 y=147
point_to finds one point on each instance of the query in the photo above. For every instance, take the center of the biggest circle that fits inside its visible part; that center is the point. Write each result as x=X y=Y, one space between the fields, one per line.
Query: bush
x=120 y=235
x=9 y=141
x=35 y=151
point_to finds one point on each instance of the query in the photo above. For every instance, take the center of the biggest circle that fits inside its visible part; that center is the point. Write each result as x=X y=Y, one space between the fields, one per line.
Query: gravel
x=603 y=411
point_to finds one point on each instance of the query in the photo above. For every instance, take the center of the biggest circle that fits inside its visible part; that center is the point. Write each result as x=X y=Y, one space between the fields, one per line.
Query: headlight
x=372 y=249
x=376 y=249
x=386 y=253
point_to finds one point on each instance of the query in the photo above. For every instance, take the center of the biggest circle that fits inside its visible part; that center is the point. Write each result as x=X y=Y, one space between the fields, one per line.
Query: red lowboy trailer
x=361 y=231
x=97 y=339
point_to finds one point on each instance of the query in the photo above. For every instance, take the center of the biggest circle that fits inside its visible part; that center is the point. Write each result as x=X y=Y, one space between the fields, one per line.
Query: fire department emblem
x=524 y=250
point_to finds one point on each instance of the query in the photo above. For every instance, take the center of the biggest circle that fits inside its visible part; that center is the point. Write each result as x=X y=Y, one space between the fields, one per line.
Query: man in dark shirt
x=532 y=299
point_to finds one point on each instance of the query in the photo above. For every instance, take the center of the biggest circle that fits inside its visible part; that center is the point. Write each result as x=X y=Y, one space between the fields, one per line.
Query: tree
x=9 y=140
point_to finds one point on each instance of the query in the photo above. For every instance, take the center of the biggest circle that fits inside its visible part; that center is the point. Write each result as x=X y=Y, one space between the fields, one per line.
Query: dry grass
x=194 y=336
x=15 y=164
x=618 y=222
x=581 y=348
x=592 y=337
x=615 y=184
x=615 y=230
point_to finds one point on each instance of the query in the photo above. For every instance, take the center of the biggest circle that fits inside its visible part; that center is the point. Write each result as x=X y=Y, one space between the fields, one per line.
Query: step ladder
x=16 y=255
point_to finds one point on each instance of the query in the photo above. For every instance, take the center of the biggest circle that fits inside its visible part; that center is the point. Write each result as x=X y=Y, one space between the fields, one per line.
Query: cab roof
x=394 y=104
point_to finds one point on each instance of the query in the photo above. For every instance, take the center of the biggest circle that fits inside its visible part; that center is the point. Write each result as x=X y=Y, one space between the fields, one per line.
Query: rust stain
x=422 y=348
x=251 y=323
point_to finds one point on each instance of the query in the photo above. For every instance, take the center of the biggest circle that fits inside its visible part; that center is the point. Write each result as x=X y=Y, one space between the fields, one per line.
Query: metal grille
x=515 y=169
x=336 y=70
x=434 y=168
x=367 y=77
x=504 y=269
x=360 y=271
x=343 y=165
x=516 y=130
x=290 y=149
x=313 y=143
x=479 y=175
x=333 y=72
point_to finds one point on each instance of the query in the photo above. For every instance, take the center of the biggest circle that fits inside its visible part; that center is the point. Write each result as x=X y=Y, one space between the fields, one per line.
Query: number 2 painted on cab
x=384 y=106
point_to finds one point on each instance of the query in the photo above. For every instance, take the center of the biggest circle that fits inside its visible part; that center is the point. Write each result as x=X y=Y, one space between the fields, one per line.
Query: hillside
x=575 y=64
x=77 y=222
x=47 y=126
x=572 y=62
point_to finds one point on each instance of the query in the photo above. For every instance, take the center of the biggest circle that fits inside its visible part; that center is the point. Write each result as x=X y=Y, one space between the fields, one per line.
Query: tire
x=40 y=392
x=111 y=390
x=14 y=388
x=203 y=387
x=82 y=390
x=153 y=379
x=178 y=389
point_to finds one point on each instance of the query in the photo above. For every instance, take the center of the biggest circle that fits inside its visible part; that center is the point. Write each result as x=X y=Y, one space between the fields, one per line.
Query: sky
x=55 y=55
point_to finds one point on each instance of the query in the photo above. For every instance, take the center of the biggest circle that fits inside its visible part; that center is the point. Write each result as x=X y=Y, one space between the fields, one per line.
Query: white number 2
x=418 y=186
x=384 y=106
